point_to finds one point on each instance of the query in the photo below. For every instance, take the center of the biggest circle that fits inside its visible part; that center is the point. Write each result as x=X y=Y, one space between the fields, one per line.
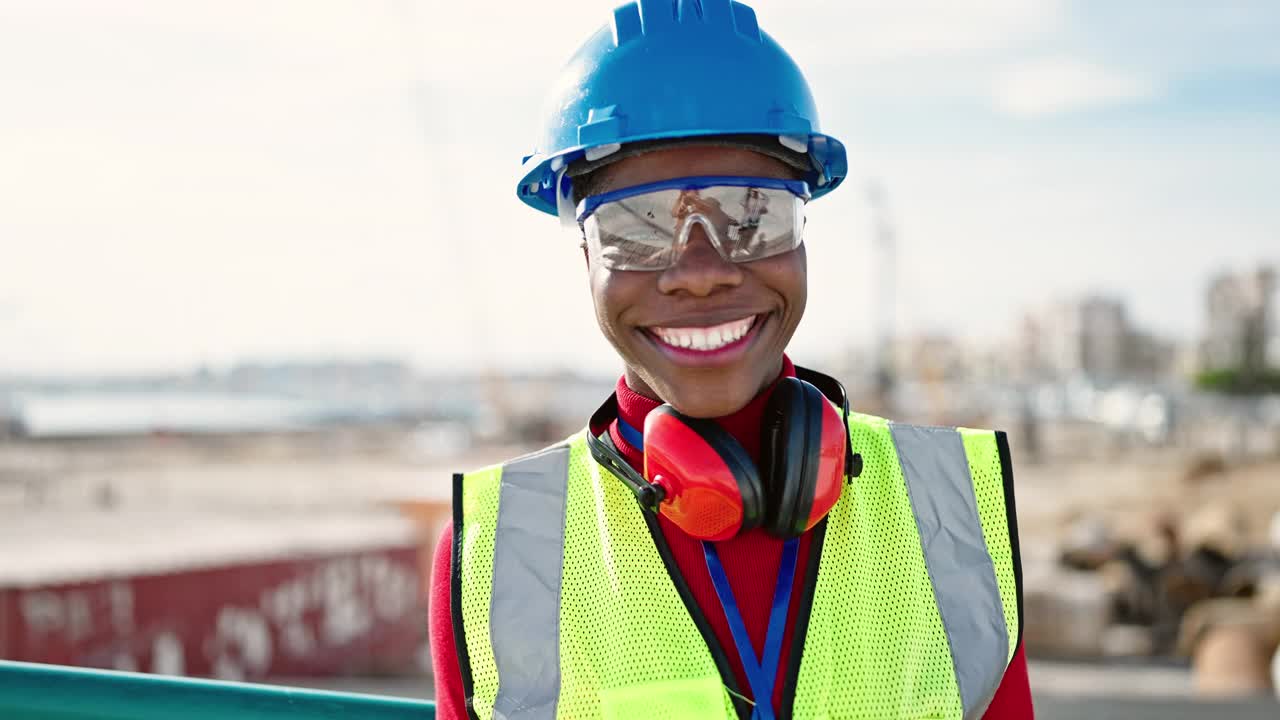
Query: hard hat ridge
x=631 y=20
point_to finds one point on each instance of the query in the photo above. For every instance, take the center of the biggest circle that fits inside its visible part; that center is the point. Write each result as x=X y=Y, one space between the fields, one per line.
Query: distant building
x=941 y=379
x=929 y=358
x=334 y=376
x=1241 y=333
x=84 y=414
x=8 y=416
x=1093 y=338
x=937 y=357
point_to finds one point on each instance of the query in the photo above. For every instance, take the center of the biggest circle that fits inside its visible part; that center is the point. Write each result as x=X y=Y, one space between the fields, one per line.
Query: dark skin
x=701 y=290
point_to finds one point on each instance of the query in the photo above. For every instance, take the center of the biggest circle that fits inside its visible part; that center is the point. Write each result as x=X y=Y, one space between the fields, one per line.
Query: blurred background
x=264 y=284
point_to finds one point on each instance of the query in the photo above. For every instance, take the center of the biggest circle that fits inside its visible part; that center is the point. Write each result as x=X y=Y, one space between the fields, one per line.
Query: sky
x=187 y=183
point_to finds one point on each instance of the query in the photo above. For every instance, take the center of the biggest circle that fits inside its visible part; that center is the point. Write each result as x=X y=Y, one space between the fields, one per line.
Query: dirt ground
x=1129 y=490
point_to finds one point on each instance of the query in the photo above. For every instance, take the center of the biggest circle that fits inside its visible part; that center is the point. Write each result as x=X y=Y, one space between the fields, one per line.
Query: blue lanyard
x=634 y=437
x=761 y=675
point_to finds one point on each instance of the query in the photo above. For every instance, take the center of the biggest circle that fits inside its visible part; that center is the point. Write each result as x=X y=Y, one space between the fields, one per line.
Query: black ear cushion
x=791 y=438
x=740 y=464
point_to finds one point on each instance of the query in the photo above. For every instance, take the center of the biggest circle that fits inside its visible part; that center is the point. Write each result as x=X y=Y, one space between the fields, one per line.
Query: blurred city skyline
x=190 y=185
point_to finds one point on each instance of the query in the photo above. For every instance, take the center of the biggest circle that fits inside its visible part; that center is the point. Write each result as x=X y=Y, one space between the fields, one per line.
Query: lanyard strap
x=634 y=437
x=762 y=675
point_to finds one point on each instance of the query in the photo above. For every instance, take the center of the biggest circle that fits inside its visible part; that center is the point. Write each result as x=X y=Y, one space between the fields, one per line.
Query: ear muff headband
x=602 y=450
x=834 y=391
x=779 y=452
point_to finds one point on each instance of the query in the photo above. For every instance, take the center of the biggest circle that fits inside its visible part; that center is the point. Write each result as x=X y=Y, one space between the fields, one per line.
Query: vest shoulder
x=863 y=421
x=556 y=446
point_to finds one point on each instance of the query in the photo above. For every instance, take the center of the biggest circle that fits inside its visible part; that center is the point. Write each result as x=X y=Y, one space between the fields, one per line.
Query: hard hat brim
x=823 y=167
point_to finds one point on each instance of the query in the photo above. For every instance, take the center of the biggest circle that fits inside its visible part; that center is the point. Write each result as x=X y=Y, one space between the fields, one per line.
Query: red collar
x=743 y=425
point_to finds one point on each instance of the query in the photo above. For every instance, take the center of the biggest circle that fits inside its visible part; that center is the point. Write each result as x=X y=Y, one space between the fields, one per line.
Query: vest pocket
x=669 y=700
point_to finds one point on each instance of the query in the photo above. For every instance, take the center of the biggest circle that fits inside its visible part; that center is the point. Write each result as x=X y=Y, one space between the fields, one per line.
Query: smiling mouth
x=708 y=339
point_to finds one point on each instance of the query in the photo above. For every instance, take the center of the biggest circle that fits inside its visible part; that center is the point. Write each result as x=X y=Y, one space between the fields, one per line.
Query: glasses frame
x=590 y=204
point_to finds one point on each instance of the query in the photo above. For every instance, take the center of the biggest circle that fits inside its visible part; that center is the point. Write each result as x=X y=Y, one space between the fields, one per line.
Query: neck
x=744 y=424
x=635 y=382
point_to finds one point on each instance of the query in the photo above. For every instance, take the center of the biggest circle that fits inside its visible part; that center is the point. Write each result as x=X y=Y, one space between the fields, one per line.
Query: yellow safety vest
x=567 y=604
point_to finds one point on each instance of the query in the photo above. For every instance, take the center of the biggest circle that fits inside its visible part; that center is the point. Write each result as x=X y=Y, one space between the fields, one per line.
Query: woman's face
x=701 y=299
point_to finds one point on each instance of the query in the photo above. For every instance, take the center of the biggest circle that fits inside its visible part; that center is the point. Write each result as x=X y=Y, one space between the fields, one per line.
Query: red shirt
x=750 y=562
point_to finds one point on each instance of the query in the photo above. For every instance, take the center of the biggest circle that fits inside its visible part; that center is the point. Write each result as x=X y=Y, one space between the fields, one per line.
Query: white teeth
x=705 y=338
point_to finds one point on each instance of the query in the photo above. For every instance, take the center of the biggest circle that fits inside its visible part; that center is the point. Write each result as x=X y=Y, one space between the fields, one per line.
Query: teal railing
x=53 y=692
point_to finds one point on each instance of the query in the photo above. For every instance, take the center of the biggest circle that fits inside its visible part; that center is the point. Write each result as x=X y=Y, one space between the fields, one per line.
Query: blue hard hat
x=665 y=69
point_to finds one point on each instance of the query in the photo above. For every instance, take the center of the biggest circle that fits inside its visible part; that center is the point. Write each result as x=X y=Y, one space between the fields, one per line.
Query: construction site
x=295 y=548
x=271 y=274
x=274 y=523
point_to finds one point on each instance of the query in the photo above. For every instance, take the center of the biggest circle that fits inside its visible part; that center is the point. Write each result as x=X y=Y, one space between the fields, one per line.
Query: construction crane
x=885 y=288
x=461 y=257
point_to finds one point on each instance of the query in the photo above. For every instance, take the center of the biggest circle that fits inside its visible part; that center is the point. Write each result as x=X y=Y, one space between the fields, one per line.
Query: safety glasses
x=646 y=227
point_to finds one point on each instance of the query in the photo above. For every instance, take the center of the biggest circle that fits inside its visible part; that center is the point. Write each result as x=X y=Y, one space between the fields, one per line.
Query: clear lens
x=647 y=231
x=630 y=234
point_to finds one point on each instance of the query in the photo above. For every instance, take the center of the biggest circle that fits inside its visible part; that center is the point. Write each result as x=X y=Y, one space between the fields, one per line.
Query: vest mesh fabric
x=480 y=492
x=988 y=485
x=629 y=648
x=875 y=646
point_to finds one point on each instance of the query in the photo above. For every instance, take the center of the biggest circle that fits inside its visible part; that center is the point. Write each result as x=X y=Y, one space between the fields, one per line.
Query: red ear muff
x=832 y=456
x=803 y=453
x=712 y=488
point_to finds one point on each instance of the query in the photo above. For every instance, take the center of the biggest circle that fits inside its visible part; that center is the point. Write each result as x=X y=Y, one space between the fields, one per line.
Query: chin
x=709 y=399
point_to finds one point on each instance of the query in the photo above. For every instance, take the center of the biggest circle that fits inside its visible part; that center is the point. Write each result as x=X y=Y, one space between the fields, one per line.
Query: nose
x=699 y=269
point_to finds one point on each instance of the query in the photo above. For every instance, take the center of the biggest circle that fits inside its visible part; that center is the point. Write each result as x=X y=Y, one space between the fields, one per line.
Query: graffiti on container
x=232 y=623
x=71 y=612
x=331 y=605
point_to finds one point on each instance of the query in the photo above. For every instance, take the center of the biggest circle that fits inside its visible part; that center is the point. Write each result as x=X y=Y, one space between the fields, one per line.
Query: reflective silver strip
x=936 y=471
x=524 y=610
